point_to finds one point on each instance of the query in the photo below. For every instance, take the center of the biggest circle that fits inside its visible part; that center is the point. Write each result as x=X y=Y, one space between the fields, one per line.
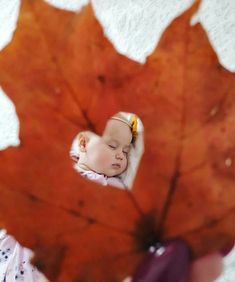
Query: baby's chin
x=114 y=173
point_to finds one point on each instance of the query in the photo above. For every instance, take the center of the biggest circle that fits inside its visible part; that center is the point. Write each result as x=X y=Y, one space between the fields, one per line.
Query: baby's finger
x=206 y=269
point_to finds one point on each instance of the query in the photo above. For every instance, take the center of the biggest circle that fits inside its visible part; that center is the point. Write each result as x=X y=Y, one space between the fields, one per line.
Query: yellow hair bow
x=133 y=126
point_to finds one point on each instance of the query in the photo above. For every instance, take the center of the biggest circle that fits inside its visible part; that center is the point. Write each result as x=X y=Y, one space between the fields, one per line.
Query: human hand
x=206 y=269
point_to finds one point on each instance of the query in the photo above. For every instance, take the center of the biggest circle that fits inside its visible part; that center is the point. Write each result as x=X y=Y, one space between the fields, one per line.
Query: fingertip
x=207 y=268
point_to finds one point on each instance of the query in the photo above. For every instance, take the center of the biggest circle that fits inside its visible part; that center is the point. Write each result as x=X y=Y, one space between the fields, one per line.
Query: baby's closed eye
x=113 y=145
x=126 y=150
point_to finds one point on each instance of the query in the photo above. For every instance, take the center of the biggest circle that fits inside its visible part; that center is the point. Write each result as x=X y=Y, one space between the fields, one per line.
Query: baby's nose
x=119 y=155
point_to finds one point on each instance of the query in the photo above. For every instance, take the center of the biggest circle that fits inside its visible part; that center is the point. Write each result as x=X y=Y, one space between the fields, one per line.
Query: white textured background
x=134 y=27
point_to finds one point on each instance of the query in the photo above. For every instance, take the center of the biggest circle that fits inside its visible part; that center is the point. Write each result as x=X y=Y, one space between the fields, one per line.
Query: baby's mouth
x=116 y=166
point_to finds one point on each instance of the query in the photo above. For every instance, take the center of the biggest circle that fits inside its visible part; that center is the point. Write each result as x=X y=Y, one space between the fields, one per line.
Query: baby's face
x=108 y=154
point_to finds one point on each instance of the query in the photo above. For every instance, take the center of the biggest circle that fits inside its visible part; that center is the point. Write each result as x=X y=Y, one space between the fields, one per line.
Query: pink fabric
x=102 y=179
x=14 y=261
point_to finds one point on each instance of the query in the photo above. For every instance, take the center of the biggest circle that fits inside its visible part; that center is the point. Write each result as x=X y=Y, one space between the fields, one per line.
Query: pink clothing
x=14 y=261
x=102 y=179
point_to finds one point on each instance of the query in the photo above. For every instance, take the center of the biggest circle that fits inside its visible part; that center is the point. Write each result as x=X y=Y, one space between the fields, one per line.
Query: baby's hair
x=132 y=123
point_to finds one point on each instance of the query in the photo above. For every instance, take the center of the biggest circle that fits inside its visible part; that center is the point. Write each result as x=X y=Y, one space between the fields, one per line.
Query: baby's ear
x=82 y=142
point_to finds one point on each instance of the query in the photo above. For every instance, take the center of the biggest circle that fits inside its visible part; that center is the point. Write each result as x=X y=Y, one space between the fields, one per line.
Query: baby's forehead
x=118 y=130
x=116 y=126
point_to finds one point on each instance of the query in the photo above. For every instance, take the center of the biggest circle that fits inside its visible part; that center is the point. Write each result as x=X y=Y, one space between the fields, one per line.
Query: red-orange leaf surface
x=64 y=76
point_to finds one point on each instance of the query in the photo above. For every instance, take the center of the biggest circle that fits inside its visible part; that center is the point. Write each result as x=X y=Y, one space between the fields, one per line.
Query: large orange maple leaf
x=64 y=76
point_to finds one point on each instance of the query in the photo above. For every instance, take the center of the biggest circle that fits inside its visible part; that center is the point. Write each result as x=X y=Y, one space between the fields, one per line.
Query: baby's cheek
x=124 y=164
x=103 y=159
